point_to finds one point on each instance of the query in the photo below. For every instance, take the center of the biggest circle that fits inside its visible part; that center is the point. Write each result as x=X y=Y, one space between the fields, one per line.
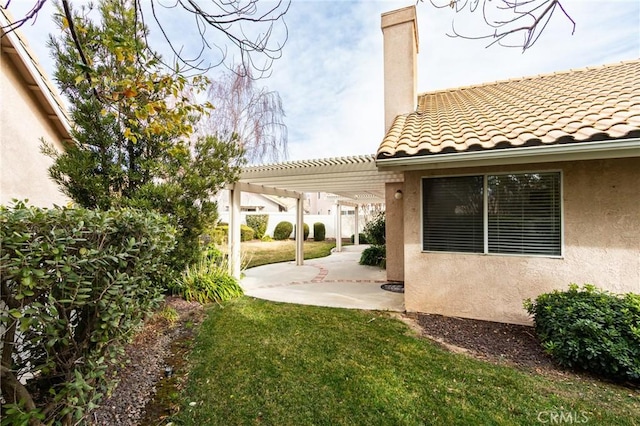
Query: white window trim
x=485 y=225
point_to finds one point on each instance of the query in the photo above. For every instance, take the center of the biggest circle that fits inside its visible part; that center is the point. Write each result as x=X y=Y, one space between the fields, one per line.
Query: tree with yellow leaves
x=133 y=126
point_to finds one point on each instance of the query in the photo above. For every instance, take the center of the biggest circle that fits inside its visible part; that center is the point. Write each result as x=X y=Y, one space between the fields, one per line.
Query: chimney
x=400 y=33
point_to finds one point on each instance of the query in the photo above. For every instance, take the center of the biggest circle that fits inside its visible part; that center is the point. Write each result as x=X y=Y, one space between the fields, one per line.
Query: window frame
x=485 y=213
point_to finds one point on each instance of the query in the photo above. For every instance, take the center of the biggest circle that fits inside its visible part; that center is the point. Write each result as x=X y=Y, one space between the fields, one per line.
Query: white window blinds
x=453 y=212
x=523 y=214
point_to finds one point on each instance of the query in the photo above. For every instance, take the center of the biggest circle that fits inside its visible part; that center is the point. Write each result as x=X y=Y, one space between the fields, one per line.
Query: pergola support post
x=234 y=231
x=300 y=230
x=356 y=234
x=338 y=227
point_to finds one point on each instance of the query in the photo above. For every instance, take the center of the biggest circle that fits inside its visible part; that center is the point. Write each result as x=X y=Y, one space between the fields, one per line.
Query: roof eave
x=598 y=150
x=37 y=78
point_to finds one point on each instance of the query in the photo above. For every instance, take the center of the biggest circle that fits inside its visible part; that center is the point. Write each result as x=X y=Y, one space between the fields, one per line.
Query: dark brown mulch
x=498 y=342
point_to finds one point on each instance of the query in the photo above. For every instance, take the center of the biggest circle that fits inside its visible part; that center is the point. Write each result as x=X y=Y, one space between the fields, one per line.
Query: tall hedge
x=319 y=231
x=75 y=285
x=258 y=222
x=305 y=231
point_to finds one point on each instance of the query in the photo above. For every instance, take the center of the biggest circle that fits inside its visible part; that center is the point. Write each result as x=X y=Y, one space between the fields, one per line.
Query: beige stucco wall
x=394 y=231
x=23 y=169
x=601 y=212
x=400 y=39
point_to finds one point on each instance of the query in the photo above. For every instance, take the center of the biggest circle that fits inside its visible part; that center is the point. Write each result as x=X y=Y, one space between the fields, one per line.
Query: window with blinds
x=524 y=213
x=506 y=213
x=453 y=212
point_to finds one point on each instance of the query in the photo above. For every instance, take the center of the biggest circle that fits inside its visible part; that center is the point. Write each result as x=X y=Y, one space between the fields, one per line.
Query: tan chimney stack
x=400 y=33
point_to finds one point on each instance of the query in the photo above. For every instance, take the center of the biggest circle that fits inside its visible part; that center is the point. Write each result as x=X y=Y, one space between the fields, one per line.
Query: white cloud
x=330 y=75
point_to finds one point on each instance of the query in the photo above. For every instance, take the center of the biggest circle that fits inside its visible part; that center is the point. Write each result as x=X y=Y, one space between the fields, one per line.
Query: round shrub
x=246 y=233
x=362 y=239
x=374 y=256
x=590 y=329
x=319 y=231
x=282 y=231
x=305 y=233
x=220 y=233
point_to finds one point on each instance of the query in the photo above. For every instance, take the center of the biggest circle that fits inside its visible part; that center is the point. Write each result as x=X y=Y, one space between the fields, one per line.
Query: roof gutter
x=536 y=154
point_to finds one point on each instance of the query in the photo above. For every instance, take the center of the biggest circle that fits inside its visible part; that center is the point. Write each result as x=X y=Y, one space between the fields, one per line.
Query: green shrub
x=258 y=222
x=169 y=314
x=590 y=329
x=246 y=233
x=362 y=240
x=374 y=256
x=282 y=231
x=76 y=284
x=213 y=254
x=221 y=233
x=319 y=231
x=207 y=281
x=305 y=233
x=374 y=230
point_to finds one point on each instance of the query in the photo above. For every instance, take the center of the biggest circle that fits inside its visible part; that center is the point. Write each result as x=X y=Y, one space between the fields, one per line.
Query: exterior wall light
x=398 y=195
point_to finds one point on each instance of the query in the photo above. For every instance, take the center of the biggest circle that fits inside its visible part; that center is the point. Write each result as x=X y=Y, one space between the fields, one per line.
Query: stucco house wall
x=23 y=122
x=394 y=229
x=601 y=207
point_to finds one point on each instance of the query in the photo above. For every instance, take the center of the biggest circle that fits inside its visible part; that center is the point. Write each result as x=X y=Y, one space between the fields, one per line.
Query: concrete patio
x=335 y=281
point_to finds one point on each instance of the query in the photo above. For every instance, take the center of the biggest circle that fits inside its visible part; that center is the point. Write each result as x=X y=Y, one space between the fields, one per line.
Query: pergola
x=353 y=180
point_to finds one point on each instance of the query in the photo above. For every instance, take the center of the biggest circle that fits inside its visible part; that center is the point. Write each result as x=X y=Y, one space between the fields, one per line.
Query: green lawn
x=262 y=253
x=259 y=362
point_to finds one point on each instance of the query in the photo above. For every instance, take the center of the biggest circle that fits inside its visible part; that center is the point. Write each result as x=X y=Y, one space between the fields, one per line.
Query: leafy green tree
x=134 y=127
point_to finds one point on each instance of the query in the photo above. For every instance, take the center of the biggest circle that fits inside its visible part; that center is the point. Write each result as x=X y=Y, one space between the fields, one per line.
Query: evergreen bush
x=258 y=222
x=590 y=329
x=319 y=231
x=282 y=231
x=246 y=233
x=374 y=230
x=375 y=255
x=362 y=238
x=305 y=233
x=76 y=284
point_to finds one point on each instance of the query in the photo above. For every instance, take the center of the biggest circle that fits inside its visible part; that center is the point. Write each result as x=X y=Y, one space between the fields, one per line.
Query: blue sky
x=330 y=74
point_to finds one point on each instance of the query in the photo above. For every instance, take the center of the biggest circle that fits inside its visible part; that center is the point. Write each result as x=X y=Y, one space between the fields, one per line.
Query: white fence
x=348 y=222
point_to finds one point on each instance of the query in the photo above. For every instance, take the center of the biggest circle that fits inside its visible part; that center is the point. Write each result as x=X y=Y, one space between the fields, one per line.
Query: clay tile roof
x=591 y=104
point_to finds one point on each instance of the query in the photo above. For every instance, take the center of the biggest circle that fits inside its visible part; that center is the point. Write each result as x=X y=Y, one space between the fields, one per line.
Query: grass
x=263 y=253
x=258 y=362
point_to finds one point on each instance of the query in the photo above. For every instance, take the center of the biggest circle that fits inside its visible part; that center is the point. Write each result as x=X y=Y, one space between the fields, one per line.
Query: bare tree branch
x=30 y=15
x=254 y=30
x=513 y=23
x=251 y=115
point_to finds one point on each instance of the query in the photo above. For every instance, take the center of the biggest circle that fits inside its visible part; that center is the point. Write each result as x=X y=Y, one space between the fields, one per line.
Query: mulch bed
x=497 y=342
